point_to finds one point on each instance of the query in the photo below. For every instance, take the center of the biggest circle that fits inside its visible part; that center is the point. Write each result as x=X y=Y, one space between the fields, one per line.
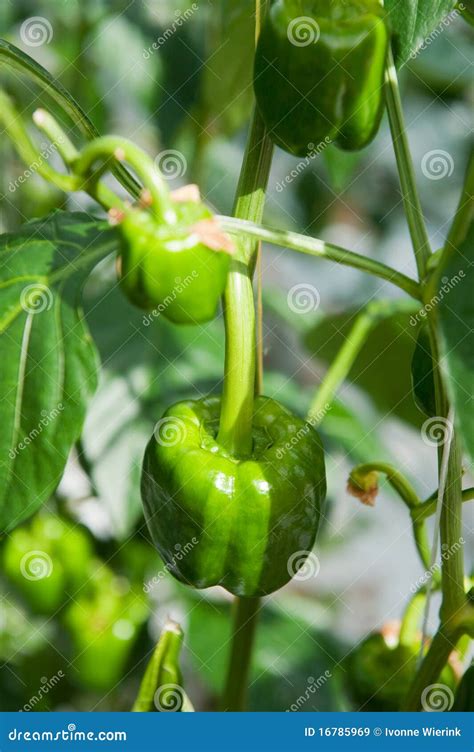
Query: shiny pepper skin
x=319 y=73
x=246 y=524
x=167 y=268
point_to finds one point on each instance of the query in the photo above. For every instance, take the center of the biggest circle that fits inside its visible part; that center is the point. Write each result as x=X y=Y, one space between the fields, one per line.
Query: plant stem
x=428 y=507
x=340 y=367
x=451 y=536
x=464 y=212
x=245 y=622
x=320 y=249
x=108 y=150
x=413 y=211
x=235 y=430
x=17 y=59
x=441 y=647
x=408 y=495
x=46 y=123
x=29 y=153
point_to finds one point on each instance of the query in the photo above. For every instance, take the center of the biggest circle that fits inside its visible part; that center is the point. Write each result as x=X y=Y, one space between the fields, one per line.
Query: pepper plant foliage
x=221 y=474
x=49 y=362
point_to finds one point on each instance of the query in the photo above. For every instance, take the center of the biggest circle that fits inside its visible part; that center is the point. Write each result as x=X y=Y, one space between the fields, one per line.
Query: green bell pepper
x=104 y=622
x=380 y=670
x=236 y=522
x=169 y=268
x=46 y=559
x=319 y=73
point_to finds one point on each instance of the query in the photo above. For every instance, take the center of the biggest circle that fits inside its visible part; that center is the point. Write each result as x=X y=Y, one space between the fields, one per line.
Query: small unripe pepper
x=244 y=523
x=319 y=73
x=177 y=269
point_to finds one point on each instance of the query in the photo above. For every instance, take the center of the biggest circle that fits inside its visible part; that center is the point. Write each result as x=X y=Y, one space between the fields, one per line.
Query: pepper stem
x=245 y=622
x=110 y=149
x=235 y=430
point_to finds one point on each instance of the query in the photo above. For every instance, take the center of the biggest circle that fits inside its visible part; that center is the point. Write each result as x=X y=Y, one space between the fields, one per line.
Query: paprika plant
x=233 y=482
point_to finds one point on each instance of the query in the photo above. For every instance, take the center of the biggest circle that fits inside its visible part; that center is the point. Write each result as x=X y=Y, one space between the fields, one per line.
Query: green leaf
x=422 y=374
x=413 y=21
x=382 y=368
x=456 y=321
x=49 y=363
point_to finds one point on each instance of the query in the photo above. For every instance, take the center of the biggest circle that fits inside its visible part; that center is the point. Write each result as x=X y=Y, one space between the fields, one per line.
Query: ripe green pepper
x=173 y=269
x=319 y=72
x=219 y=520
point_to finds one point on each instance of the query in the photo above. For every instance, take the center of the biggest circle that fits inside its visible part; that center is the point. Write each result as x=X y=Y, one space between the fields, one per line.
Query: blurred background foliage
x=95 y=621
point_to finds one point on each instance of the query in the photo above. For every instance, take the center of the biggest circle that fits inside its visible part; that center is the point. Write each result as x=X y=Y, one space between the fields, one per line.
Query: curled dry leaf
x=364 y=487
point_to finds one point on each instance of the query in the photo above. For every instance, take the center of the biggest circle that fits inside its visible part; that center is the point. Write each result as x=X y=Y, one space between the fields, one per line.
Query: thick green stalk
x=245 y=622
x=235 y=430
x=321 y=249
x=413 y=211
x=442 y=644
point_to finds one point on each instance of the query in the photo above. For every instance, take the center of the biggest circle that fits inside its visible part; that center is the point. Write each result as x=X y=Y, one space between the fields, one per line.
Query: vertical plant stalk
x=235 y=429
x=244 y=626
x=346 y=356
x=411 y=201
x=452 y=580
